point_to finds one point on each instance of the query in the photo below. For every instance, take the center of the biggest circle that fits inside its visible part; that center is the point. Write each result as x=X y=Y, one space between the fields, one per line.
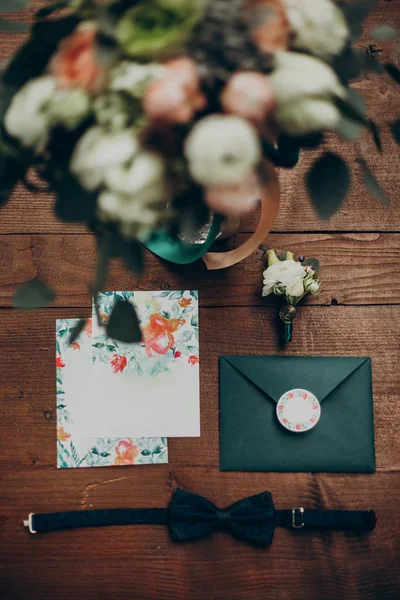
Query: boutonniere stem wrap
x=290 y=280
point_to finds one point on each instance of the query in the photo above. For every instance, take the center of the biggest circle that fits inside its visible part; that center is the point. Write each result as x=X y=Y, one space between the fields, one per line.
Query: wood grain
x=362 y=269
x=359 y=253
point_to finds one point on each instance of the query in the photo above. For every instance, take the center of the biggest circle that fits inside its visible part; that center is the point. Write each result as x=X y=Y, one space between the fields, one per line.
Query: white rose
x=282 y=272
x=305 y=89
x=134 y=77
x=26 y=118
x=295 y=288
x=222 y=150
x=318 y=26
x=69 y=107
x=136 y=193
x=98 y=150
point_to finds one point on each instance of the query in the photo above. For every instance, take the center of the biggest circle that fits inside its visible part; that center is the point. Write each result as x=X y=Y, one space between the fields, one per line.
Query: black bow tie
x=190 y=516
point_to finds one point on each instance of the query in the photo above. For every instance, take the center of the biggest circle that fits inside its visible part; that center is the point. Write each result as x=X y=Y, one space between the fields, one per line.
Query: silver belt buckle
x=28 y=523
x=301 y=511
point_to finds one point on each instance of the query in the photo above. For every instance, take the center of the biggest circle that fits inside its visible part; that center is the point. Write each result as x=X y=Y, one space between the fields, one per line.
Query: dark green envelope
x=251 y=437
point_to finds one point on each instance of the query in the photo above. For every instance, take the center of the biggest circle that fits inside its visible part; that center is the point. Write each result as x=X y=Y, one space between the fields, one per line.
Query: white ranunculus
x=26 y=118
x=69 y=107
x=283 y=272
x=222 y=150
x=98 y=150
x=295 y=288
x=318 y=26
x=305 y=89
x=135 y=194
x=133 y=77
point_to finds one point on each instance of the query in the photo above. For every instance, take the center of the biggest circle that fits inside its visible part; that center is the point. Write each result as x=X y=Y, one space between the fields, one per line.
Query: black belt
x=190 y=516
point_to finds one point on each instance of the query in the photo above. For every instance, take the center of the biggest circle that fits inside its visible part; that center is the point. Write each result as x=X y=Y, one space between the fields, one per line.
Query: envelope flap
x=275 y=375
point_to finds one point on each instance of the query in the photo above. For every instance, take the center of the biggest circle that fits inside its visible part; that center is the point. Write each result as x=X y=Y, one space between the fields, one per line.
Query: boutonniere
x=291 y=280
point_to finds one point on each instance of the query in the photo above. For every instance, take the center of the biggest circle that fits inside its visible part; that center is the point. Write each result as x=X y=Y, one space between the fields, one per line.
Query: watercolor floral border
x=99 y=452
x=169 y=321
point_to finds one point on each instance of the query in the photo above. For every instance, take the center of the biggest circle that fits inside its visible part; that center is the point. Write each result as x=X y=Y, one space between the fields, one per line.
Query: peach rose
x=268 y=24
x=234 y=200
x=75 y=64
x=248 y=95
x=177 y=96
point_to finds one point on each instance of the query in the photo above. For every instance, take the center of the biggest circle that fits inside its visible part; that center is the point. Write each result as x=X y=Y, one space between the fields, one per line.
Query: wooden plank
x=27 y=393
x=355 y=269
x=141 y=562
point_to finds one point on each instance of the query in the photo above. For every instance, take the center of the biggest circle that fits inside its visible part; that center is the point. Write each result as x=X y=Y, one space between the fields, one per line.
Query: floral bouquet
x=148 y=119
x=291 y=280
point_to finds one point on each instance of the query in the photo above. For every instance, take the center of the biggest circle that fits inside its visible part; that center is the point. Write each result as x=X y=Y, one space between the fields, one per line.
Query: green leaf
x=196 y=331
x=31 y=60
x=59 y=392
x=76 y=331
x=371 y=184
x=282 y=256
x=98 y=345
x=393 y=72
x=105 y=454
x=311 y=262
x=157 y=450
x=353 y=107
x=384 y=33
x=123 y=324
x=348 y=129
x=193 y=350
x=163 y=294
x=34 y=294
x=14 y=26
x=61 y=406
x=75 y=455
x=195 y=294
x=47 y=10
x=111 y=348
x=134 y=256
x=94 y=451
x=374 y=129
x=195 y=321
x=73 y=203
x=156 y=368
x=395 y=129
x=176 y=295
x=59 y=380
x=145 y=452
x=355 y=13
x=328 y=183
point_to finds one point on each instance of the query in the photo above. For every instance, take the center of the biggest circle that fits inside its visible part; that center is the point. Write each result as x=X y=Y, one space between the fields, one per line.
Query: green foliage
x=73 y=203
x=123 y=324
x=393 y=72
x=33 y=294
x=76 y=331
x=311 y=262
x=328 y=183
x=384 y=33
x=371 y=184
x=356 y=12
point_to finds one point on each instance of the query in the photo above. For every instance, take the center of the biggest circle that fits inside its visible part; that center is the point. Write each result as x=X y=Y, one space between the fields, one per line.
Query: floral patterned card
x=75 y=446
x=153 y=387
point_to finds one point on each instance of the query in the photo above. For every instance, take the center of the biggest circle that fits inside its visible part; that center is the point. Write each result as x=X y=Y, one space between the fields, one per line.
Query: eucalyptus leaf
x=34 y=294
x=103 y=250
x=348 y=129
x=7 y=6
x=48 y=10
x=395 y=129
x=374 y=129
x=328 y=183
x=176 y=295
x=14 y=26
x=393 y=72
x=384 y=33
x=73 y=203
x=353 y=107
x=311 y=262
x=355 y=13
x=194 y=321
x=76 y=331
x=371 y=184
x=134 y=256
x=123 y=324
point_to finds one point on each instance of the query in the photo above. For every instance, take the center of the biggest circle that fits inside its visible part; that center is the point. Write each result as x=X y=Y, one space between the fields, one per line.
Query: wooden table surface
x=357 y=314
